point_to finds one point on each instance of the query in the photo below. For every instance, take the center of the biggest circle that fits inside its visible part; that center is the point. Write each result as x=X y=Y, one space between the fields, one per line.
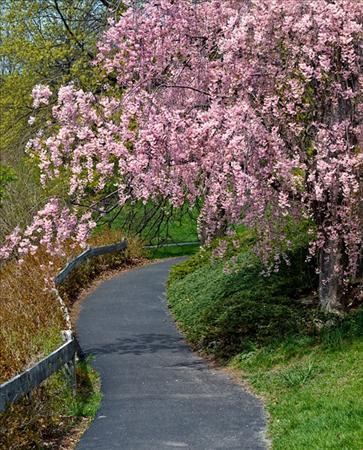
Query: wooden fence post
x=70 y=367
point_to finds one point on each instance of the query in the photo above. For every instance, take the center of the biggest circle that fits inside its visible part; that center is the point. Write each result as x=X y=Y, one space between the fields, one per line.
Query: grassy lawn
x=313 y=392
x=307 y=365
x=174 y=251
x=181 y=227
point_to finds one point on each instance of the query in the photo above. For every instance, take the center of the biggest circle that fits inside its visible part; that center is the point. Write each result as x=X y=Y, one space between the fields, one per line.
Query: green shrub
x=224 y=312
x=193 y=263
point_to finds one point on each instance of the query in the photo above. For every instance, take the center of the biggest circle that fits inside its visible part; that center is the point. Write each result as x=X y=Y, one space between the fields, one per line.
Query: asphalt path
x=157 y=394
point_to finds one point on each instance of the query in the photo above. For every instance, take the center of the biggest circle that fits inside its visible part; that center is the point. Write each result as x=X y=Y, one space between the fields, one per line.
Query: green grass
x=89 y=396
x=169 y=252
x=313 y=392
x=86 y=400
x=307 y=365
x=180 y=227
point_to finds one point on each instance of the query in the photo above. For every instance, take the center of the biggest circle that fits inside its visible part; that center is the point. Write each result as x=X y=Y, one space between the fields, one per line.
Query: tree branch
x=180 y=86
x=70 y=32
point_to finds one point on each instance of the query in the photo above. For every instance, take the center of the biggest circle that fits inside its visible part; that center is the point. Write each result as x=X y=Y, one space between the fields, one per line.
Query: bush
x=224 y=313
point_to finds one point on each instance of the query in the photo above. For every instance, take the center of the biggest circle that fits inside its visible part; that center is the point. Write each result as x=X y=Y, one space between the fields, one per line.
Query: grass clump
x=43 y=419
x=306 y=364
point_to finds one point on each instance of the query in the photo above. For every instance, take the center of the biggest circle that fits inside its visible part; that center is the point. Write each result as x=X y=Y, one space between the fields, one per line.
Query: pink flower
x=41 y=95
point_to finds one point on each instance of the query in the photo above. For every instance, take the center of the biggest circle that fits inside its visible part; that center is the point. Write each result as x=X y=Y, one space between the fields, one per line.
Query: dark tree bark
x=330 y=281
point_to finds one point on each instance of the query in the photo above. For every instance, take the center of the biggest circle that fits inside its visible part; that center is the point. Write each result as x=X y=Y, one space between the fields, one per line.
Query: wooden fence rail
x=25 y=382
x=89 y=253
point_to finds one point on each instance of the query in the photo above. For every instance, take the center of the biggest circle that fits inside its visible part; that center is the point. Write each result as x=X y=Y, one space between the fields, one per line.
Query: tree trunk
x=329 y=279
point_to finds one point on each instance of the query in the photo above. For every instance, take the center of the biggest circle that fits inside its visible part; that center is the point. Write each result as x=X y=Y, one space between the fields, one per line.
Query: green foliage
x=224 y=312
x=43 y=42
x=7 y=175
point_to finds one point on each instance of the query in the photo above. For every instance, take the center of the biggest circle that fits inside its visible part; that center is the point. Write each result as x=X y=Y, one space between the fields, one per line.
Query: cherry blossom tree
x=253 y=108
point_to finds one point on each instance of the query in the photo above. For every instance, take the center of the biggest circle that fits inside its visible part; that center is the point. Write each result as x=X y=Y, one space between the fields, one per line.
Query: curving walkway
x=157 y=394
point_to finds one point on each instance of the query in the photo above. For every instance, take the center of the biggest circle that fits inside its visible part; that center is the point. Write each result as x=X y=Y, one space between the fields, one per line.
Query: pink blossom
x=41 y=95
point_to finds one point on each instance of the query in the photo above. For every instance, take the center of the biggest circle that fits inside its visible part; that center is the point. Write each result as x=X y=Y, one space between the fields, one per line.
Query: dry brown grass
x=29 y=312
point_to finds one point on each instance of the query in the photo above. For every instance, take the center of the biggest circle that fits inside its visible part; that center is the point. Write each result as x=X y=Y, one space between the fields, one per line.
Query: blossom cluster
x=52 y=227
x=41 y=94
